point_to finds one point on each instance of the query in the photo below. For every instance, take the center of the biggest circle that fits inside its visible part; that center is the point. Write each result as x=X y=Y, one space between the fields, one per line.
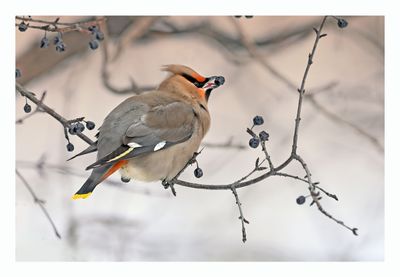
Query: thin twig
x=267 y=156
x=243 y=220
x=39 y=202
x=316 y=200
x=302 y=86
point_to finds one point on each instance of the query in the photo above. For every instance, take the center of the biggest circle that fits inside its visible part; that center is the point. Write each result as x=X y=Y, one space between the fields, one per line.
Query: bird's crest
x=184 y=71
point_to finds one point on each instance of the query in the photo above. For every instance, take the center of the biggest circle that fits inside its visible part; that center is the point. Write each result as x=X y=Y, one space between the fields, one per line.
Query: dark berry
x=57 y=39
x=248 y=16
x=263 y=136
x=44 y=43
x=27 y=108
x=254 y=142
x=94 y=44
x=125 y=179
x=301 y=200
x=93 y=29
x=90 y=125
x=198 y=172
x=342 y=23
x=22 y=27
x=17 y=73
x=99 y=35
x=70 y=147
x=258 y=120
x=79 y=127
x=60 y=47
x=73 y=130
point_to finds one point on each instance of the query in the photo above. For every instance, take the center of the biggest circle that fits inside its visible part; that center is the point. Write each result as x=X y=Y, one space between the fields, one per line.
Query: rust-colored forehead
x=182 y=70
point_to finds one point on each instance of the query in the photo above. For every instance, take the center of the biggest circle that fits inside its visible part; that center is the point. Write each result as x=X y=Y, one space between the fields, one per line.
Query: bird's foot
x=167 y=185
x=193 y=158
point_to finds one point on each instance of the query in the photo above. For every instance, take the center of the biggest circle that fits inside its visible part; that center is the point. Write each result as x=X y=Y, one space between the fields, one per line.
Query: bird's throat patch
x=201 y=93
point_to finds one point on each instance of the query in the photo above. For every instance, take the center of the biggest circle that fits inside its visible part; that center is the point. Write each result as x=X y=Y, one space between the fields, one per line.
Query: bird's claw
x=193 y=158
x=167 y=185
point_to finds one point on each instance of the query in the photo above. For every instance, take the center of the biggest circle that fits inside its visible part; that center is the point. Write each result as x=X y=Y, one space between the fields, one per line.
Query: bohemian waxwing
x=151 y=136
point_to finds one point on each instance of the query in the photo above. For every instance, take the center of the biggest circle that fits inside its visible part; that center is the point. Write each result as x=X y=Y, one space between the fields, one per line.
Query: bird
x=153 y=135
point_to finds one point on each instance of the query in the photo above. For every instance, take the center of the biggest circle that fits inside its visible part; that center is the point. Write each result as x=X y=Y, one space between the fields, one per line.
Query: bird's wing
x=90 y=149
x=157 y=129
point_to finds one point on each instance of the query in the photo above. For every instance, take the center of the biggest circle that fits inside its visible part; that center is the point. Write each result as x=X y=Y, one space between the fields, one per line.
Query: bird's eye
x=197 y=84
x=193 y=80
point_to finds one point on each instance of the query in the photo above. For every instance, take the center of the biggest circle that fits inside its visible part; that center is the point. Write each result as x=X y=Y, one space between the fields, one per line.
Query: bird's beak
x=213 y=82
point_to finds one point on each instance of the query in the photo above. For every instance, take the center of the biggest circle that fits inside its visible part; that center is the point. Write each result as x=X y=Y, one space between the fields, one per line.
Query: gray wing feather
x=171 y=123
x=137 y=122
x=116 y=123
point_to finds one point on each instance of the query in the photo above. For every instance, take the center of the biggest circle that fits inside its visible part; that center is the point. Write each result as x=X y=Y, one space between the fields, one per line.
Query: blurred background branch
x=38 y=201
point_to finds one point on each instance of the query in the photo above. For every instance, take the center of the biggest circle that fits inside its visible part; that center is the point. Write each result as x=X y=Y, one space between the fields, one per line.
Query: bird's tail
x=98 y=175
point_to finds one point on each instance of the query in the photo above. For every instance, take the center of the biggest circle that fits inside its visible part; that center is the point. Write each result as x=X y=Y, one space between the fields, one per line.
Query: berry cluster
x=263 y=136
x=97 y=36
x=76 y=128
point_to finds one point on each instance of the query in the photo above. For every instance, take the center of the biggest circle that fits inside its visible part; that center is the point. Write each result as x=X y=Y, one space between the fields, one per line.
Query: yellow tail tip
x=81 y=196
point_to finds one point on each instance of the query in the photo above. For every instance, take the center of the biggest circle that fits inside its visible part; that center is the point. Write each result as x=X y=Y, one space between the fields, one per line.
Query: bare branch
x=54 y=26
x=37 y=110
x=302 y=86
x=316 y=198
x=64 y=122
